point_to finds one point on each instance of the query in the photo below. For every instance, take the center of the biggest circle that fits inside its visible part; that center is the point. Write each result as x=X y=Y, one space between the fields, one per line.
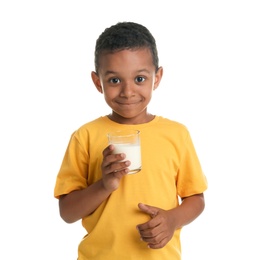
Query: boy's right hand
x=113 y=168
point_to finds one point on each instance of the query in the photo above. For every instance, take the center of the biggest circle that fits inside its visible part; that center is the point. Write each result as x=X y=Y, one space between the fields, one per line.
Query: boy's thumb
x=152 y=211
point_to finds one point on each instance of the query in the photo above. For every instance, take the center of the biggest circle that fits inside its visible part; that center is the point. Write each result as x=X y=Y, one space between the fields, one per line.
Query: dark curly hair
x=125 y=35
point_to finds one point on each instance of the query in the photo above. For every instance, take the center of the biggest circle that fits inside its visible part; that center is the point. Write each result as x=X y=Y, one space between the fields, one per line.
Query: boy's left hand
x=158 y=231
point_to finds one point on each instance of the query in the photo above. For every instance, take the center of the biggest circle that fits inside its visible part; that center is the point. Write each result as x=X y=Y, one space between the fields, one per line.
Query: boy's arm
x=158 y=231
x=81 y=203
x=190 y=208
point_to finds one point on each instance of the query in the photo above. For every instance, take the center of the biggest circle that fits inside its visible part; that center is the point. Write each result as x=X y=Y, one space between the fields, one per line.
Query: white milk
x=133 y=154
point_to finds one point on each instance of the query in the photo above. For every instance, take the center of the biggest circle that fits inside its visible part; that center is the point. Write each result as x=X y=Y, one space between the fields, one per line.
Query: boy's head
x=125 y=35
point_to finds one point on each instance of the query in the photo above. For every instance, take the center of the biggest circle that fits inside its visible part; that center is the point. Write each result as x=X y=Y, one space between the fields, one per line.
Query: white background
x=209 y=53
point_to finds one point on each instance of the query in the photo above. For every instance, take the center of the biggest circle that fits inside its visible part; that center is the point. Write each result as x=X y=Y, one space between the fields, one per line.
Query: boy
x=136 y=216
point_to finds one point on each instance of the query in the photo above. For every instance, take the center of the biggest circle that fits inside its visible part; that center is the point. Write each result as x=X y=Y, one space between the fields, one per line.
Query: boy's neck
x=131 y=121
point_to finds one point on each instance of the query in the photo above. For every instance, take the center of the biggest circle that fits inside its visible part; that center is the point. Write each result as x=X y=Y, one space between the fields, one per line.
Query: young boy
x=130 y=216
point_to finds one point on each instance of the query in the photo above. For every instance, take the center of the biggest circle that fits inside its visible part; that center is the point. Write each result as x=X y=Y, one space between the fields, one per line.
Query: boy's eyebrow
x=109 y=72
x=139 y=71
x=144 y=70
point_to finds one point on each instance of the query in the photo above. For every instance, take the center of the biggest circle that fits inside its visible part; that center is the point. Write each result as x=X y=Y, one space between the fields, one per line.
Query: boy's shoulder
x=171 y=123
x=95 y=122
x=93 y=125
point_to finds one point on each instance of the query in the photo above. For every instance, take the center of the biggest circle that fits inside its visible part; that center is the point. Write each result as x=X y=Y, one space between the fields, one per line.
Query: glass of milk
x=128 y=142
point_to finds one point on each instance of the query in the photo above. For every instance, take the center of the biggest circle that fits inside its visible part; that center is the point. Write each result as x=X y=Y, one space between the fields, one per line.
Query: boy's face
x=127 y=79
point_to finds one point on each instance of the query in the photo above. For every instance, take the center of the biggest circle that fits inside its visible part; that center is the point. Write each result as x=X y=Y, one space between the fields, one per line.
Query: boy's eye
x=139 y=79
x=115 y=80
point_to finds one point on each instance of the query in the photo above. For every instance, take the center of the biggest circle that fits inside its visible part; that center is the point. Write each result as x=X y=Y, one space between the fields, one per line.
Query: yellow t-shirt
x=170 y=168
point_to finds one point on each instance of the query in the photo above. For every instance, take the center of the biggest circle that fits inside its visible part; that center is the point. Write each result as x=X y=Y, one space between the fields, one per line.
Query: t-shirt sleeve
x=191 y=179
x=73 y=171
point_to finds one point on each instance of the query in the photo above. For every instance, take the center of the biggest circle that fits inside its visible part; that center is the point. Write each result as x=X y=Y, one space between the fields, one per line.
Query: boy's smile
x=127 y=79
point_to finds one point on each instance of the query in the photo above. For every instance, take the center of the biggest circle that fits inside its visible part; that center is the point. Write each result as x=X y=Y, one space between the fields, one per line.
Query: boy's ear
x=96 y=81
x=158 y=77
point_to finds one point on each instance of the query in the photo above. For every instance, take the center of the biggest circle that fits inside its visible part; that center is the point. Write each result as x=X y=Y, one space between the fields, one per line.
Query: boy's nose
x=127 y=89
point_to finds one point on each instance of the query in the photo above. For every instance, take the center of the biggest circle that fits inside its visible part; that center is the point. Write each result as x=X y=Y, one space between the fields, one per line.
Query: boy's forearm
x=81 y=203
x=190 y=208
